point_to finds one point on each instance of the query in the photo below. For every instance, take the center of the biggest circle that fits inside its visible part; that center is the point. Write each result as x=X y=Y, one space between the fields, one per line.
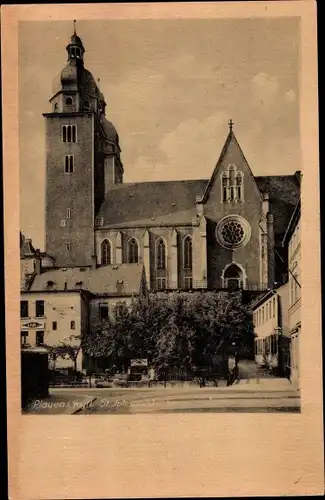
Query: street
x=254 y=395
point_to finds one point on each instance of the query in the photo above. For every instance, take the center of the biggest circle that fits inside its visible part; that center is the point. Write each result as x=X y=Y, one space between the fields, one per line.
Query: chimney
x=38 y=262
x=93 y=262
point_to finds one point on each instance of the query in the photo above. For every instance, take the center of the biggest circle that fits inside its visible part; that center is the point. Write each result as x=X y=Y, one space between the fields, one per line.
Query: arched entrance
x=233 y=277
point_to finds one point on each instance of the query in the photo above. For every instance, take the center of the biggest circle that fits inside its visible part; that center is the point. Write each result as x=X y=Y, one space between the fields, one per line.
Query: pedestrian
x=231 y=369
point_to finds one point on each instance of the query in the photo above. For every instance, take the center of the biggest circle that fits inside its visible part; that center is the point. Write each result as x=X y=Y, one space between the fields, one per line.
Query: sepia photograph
x=163 y=305
x=160 y=216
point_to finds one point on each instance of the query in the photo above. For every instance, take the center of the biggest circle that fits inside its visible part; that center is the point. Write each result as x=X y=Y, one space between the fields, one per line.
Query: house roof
x=279 y=290
x=151 y=203
x=122 y=279
x=174 y=202
x=284 y=193
x=292 y=223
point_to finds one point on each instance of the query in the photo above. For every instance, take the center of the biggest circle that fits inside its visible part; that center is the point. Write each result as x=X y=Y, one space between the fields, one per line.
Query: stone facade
x=220 y=232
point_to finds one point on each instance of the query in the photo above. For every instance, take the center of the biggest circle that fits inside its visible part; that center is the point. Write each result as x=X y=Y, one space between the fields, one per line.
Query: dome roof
x=76 y=77
x=69 y=75
x=110 y=131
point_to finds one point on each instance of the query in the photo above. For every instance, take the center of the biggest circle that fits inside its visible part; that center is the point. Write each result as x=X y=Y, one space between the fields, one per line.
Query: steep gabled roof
x=231 y=140
x=151 y=203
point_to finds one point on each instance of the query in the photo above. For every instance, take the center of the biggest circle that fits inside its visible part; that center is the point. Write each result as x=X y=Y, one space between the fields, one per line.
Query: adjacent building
x=292 y=242
x=61 y=305
x=272 y=341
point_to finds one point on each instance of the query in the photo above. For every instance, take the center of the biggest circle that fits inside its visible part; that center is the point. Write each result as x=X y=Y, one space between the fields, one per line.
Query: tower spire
x=74 y=27
x=231 y=124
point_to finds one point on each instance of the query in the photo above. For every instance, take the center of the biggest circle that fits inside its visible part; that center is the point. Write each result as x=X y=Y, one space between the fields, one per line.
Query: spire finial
x=231 y=124
x=74 y=27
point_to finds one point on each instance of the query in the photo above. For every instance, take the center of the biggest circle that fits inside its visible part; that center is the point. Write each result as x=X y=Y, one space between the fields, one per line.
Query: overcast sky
x=171 y=87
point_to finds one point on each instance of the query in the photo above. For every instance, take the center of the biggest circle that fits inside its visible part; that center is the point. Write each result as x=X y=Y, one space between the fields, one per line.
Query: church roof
x=151 y=203
x=173 y=202
x=122 y=279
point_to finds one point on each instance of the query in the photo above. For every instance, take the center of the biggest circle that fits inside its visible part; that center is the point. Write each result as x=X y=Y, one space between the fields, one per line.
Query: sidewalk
x=265 y=384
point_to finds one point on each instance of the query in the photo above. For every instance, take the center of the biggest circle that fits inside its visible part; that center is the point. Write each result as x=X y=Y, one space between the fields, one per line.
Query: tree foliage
x=181 y=330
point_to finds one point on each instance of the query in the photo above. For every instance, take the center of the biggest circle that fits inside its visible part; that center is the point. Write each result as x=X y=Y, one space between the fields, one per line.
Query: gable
x=231 y=158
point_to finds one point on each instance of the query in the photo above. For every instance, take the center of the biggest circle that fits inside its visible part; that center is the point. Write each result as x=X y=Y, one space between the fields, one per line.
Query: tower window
x=105 y=252
x=133 y=251
x=69 y=133
x=161 y=254
x=68 y=164
x=72 y=325
x=68 y=101
x=86 y=105
x=68 y=245
x=68 y=213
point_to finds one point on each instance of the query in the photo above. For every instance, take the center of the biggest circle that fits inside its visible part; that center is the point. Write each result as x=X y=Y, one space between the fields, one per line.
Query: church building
x=222 y=232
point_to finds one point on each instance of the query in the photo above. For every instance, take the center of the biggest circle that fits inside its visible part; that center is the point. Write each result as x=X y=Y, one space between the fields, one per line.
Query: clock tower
x=82 y=160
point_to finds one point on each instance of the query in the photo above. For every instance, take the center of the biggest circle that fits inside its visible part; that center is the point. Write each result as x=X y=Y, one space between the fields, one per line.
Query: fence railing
x=202 y=285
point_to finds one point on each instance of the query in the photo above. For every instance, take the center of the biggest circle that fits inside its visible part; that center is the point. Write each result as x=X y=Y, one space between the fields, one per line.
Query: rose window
x=233 y=231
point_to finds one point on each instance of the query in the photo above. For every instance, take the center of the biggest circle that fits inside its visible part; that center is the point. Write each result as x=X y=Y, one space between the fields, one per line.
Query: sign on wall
x=139 y=362
x=33 y=324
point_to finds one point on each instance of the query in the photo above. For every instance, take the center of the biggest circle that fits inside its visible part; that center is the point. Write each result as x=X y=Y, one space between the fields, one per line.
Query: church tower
x=82 y=161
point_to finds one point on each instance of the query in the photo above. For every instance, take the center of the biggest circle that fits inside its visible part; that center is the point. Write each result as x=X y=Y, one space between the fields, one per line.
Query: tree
x=178 y=330
x=65 y=351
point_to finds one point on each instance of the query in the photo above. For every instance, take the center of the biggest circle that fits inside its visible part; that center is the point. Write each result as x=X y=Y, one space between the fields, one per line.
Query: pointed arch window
x=233 y=277
x=161 y=254
x=232 y=185
x=239 y=186
x=225 y=186
x=133 y=251
x=188 y=253
x=105 y=252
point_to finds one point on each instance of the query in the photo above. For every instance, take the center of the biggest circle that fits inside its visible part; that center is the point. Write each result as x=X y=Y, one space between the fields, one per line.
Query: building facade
x=222 y=232
x=292 y=242
x=61 y=306
x=272 y=340
x=51 y=318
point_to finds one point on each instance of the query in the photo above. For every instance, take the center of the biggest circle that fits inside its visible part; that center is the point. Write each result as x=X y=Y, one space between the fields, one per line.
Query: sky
x=171 y=87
